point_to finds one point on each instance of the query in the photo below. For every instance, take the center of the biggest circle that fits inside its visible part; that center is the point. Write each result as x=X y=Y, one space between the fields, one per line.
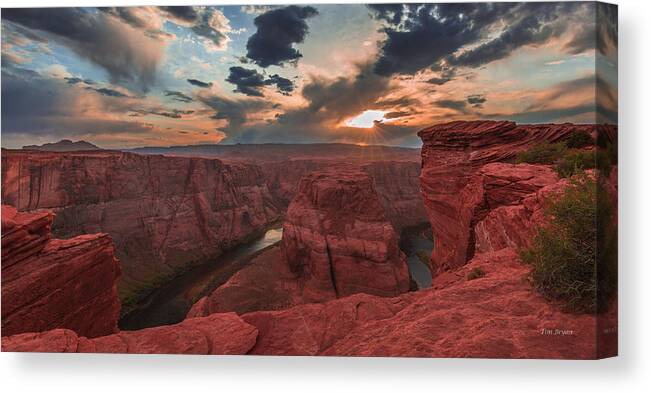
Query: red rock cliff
x=338 y=240
x=397 y=184
x=51 y=283
x=163 y=213
x=452 y=154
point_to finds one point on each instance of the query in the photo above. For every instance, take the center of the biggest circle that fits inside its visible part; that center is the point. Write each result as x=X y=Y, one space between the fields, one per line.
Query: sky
x=124 y=77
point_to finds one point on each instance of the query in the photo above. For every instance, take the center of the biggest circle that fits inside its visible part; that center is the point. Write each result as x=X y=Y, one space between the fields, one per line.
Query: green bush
x=578 y=140
x=574 y=256
x=475 y=274
x=544 y=153
x=575 y=161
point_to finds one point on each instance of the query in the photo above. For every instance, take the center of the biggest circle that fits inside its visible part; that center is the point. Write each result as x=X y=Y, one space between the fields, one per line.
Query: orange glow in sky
x=366 y=119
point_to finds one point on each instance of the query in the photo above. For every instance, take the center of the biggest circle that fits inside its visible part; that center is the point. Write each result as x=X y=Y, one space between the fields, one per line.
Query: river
x=170 y=303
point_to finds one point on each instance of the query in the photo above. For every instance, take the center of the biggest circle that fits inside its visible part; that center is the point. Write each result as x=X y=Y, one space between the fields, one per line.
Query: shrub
x=578 y=140
x=575 y=161
x=544 y=153
x=475 y=274
x=574 y=256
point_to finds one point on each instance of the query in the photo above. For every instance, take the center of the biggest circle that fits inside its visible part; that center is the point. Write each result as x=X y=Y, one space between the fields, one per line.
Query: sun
x=366 y=119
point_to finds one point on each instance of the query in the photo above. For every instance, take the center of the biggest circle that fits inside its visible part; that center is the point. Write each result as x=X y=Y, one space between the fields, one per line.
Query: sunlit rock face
x=52 y=283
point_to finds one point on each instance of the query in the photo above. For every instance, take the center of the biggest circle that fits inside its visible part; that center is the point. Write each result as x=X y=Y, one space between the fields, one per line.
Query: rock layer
x=218 y=334
x=338 y=241
x=397 y=184
x=452 y=154
x=51 y=283
x=163 y=213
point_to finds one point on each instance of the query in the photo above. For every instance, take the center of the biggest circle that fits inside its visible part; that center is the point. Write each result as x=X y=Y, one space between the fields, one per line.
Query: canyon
x=338 y=282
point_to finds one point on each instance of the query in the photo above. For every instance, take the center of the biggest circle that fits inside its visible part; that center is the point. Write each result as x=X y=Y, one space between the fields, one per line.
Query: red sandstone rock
x=49 y=284
x=452 y=154
x=265 y=284
x=338 y=241
x=218 y=334
x=163 y=213
x=396 y=182
x=499 y=315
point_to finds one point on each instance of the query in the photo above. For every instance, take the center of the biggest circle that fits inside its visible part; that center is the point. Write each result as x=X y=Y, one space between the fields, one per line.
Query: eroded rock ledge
x=52 y=283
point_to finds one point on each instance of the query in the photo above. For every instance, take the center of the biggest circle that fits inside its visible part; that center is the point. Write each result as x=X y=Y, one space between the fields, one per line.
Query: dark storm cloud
x=421 y=36
x=199 y=83
x=250 y=82
x=283 y=85
x=529 y=30
x=246 y=81
x=177 y=96
x=185 y=13
x=127 y=57
x=476 y=100
x=277 y=31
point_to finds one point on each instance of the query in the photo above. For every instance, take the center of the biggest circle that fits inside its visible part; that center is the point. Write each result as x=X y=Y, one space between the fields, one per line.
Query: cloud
x=186 y=14
x=531 y=29
x=250 y=82
x=127 y=55
x=172 y=114
x=75 y=80
x=34 y=105
x=456 y=105
x=420 y=35
x=277 y=31
x=284 y=85
x=443 y=37
x=476 y=100
x=109 y=92
x=177 y=96
x=213 y=26
x=199 y=83
x=234 y=111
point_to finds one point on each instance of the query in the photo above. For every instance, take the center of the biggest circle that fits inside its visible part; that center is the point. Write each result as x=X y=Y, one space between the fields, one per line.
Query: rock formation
x=498 y=315
x=163 y=213
x=51 y=283
x=396 y=182
x=452 y=153
x=218 y=334
x=337 y=241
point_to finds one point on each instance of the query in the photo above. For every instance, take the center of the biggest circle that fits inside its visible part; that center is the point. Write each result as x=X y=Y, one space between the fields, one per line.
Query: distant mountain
x=63 y=145
x=267 y=152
